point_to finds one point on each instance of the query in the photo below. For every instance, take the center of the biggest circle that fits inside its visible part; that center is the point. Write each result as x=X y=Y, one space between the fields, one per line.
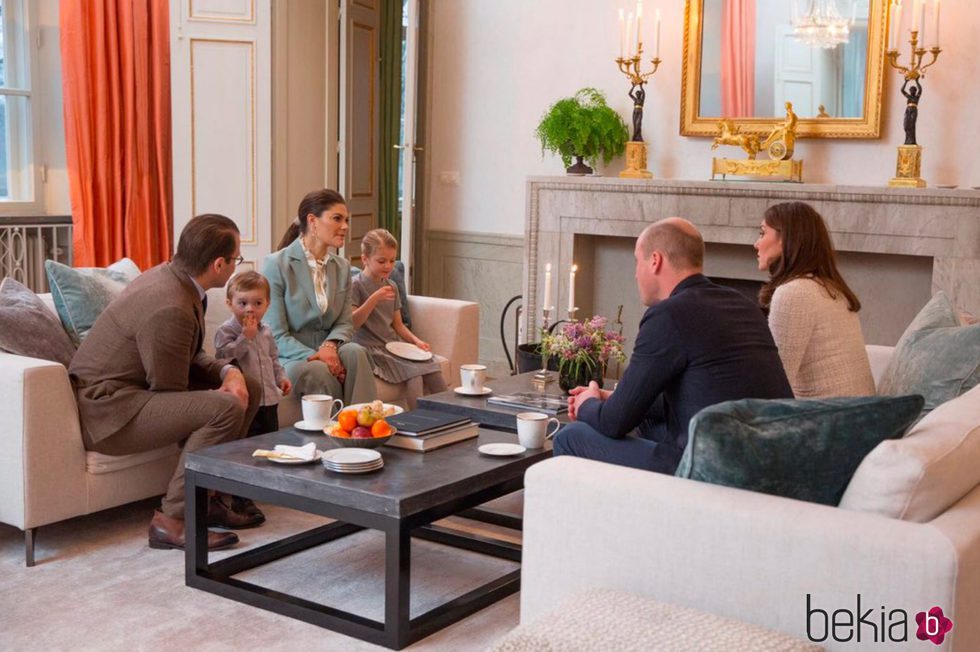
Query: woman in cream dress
x=813 y=314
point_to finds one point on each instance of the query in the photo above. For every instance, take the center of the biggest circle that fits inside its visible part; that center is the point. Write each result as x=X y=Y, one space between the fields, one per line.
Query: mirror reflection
x=753 y=72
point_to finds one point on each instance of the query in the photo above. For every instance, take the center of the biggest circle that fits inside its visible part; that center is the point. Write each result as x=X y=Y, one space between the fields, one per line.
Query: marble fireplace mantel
x=565 y=216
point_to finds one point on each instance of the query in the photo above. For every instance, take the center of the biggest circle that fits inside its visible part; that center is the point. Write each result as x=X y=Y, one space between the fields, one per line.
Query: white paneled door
x=221 y=106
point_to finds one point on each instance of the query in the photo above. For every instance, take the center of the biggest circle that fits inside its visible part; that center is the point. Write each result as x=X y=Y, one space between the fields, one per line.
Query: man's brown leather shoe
x=167 y=532
x=246 y=506
x=220 y=514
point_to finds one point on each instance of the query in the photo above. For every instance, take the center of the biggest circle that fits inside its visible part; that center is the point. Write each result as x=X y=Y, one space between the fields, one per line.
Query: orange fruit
x=347 y=419
x=380 y=429
x=337 y=431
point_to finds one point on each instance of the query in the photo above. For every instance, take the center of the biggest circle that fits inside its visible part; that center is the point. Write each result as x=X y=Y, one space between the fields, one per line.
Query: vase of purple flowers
x=582 y=350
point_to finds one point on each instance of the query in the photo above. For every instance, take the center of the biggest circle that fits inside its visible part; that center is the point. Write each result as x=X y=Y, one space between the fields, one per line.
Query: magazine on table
x=549 y=403
x=425 y=422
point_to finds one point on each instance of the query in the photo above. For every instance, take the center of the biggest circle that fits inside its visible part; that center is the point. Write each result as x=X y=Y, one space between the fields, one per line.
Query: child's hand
x=423 y=345
x=384 y=293
x=250 y=327
x=285 y=386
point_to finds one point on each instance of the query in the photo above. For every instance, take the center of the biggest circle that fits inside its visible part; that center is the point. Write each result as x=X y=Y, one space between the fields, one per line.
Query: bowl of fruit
x=364 y=427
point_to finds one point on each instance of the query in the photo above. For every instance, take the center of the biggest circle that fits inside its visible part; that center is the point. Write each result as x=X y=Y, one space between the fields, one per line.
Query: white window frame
x=22 y=160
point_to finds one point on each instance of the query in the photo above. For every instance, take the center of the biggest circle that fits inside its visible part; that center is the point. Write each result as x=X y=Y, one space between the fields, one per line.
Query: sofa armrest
x=42 y=469
x=879 y=357
x=450 y=326
x=734 y=553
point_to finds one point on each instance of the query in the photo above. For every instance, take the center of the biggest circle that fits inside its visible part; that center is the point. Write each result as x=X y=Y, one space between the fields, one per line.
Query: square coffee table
x=402 y=500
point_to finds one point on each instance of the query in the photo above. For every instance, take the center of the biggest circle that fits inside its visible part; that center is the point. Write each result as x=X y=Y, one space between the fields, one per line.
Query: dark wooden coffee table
x=402 y=500
x=488 y=414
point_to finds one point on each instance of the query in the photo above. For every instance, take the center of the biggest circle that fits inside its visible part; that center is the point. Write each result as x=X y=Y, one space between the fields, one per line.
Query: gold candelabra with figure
x=908 y=169
x=631 y=66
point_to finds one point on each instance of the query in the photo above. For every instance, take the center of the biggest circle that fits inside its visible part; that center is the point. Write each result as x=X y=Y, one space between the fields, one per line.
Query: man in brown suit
x=143 y=381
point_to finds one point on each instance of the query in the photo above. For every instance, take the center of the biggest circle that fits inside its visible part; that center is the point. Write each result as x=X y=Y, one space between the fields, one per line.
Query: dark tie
x=204 y=302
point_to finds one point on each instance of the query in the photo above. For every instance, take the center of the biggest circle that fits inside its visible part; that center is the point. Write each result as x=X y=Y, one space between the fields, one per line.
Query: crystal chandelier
x=822 y=25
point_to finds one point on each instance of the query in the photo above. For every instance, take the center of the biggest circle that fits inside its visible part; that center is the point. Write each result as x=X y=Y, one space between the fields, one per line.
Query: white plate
x=501 y=449
x=367 y=470
x=351 y=455
x=408 y=351
x=303 y=425
x=483 y=392
x=388 y=407
x=316 y=458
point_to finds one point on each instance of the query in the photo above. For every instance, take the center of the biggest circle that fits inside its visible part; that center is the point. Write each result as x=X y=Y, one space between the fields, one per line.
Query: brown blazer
x=148 y=340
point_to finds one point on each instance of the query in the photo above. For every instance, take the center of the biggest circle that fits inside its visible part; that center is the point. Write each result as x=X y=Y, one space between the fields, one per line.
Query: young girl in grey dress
x=378 y=320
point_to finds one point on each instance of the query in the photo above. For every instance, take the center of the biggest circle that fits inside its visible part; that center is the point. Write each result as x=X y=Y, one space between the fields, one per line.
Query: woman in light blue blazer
x=310 y=304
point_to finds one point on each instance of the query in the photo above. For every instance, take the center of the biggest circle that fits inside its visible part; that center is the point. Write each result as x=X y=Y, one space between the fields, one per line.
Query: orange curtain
x=115 y=57
x=738 y=58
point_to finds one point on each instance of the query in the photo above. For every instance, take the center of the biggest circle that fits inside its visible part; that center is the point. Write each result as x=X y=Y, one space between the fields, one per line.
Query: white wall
x=47 y=89
x=497 y=66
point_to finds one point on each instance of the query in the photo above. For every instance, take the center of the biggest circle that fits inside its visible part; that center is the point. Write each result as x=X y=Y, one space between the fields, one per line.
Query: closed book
x=427 y=443
x=425 y=422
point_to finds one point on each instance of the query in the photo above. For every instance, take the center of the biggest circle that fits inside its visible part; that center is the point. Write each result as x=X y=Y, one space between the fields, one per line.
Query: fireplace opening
x=748 y=288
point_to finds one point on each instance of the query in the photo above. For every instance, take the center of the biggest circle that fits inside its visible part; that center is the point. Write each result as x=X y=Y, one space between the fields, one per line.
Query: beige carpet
x=97 y=586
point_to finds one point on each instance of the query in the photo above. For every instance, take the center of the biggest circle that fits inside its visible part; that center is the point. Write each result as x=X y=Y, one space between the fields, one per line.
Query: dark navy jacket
x=702 y=345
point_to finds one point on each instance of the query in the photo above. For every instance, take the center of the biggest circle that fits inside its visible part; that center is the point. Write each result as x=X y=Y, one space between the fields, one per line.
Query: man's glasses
x=238 y=260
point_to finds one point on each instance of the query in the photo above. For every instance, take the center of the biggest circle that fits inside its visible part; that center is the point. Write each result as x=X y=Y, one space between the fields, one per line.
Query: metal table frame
x=398 y=629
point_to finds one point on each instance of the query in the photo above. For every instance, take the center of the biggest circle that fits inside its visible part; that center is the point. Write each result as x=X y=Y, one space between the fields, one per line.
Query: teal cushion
x=81 y=293
x=398 y=277
x=935 y=357
x=802 y=449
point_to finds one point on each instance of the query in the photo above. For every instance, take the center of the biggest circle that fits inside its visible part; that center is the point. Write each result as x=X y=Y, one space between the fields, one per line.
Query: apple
x=361 y=432
x=366 y=416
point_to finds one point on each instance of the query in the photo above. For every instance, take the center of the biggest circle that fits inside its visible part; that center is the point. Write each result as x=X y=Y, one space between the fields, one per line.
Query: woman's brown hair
x=314 y=203
x=806 y=251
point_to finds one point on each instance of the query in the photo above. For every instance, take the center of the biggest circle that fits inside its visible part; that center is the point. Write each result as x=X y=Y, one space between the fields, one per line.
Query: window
x=16 y=142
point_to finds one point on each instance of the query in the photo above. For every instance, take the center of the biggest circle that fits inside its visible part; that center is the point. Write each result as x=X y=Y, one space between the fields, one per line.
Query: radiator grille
x=25 y=247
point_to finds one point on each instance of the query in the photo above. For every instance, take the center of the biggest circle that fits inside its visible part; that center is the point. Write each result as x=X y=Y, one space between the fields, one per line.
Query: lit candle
x=657 y=49
x=622 y=33
x=547 y=287
x=639 y=15
x=571 y=288
x=897 y=24
x=922 y=24
x=935 y=20
x=629 y=31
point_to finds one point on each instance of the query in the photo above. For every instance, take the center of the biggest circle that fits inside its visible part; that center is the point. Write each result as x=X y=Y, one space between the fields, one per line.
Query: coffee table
x=402 y=500
x=488 y=414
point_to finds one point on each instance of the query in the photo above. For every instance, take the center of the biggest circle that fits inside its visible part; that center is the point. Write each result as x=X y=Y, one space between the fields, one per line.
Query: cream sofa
x=745 y=555
x=47 y=476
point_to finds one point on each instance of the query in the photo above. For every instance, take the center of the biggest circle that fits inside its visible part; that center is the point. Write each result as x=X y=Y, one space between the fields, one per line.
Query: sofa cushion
x=29 y=328
x=802 y=449
x=398 y=278
x=98 y=463
x=605 y=619
x=81 y=293
x=920 y=476
x=935 y=357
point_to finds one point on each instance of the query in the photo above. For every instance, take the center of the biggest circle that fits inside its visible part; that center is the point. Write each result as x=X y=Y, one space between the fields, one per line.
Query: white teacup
x=532 y=429
x=318 y=409
x=472 y=377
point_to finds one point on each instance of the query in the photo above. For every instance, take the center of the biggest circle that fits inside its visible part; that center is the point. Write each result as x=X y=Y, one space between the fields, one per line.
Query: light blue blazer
x=294 y=317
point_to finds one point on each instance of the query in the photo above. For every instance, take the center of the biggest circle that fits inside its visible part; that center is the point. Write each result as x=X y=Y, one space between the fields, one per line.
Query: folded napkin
x=307 y=452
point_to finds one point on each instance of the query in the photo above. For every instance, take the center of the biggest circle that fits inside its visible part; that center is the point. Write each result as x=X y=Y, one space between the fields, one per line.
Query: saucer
x=303 y=425
x=408 y=351
x=501 y=449
x=482 y=392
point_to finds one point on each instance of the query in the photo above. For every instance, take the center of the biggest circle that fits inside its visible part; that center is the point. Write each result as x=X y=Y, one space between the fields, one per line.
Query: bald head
x=679 y=240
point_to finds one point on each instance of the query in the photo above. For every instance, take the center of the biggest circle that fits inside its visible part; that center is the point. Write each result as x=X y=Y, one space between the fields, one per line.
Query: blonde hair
x=376 y=238
x=246 y=281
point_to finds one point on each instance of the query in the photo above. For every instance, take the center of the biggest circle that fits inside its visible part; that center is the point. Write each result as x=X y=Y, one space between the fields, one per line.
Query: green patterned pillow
x=802 y=449
x=935 y=357
x=81 y=293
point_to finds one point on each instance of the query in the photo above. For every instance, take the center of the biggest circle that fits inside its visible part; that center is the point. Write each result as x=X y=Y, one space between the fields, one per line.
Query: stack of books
x=548 y=403
x=426 y=430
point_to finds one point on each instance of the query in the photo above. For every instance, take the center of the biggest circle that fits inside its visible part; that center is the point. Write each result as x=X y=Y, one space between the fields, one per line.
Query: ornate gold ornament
x=778 y=145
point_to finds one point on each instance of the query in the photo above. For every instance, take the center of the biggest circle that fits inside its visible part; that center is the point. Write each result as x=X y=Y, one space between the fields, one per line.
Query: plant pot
x=570 y=377
x=579 y=169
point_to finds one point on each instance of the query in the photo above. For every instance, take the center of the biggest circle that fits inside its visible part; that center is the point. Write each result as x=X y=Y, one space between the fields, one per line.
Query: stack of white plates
x=352 y=460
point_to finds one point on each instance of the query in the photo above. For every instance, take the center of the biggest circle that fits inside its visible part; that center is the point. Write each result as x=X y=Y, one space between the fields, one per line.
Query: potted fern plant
x=582 y=127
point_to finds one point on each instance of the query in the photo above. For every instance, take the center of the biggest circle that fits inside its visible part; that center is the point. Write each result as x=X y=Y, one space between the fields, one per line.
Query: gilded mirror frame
x=868 y=126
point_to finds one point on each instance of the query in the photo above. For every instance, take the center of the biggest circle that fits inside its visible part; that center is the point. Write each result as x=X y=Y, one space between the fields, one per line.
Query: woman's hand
x=327 y=354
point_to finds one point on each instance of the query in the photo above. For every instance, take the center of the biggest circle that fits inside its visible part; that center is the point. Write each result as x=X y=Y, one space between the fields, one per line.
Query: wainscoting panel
x=483 y=268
